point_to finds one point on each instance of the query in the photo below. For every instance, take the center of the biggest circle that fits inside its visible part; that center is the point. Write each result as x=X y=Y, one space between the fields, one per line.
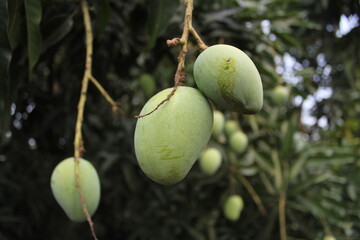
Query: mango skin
x=168 y=141
x=280 y=94
x=210 y=161
x=219 y=122
x=229 y=78
x=233 y=207
x=64 y=190
x=238 y=141
x=231 y=126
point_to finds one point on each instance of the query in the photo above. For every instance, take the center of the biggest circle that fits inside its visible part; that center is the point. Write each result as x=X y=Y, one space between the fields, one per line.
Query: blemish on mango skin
x=167 y=153
x=226 y=79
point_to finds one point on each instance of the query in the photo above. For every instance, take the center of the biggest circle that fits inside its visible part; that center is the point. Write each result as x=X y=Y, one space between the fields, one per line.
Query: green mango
x=329 y=237
x=64 y=189
x=238 y=141
x=280 y=94
x=147 y=83
x=233 y=207
x=229 y=78
x=231 y=126
x=168 y=141
x=210 y=161
x=219 y=121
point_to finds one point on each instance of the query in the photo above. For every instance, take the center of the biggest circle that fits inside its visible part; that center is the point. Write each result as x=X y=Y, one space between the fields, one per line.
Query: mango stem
x=180 y=75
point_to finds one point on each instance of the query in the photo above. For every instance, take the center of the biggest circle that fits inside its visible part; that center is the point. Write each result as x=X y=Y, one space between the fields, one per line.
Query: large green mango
x=228 y=77
x=168 y=141
x=64 y=189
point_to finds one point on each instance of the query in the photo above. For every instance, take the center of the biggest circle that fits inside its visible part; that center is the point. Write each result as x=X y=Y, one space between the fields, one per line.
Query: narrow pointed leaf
x=33 y=18
x=160 y=12
x=309 y=182
x=56 y=29
x=14 y=7
x=263 y=163
x=278 y=175
x=5 y=57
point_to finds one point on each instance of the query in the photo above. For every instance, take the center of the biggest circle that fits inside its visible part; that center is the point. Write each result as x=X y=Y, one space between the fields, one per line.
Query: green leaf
x=298 y=165
x=288 y=130
x=14 y=22
x=278 y=175
x=288 y=39
x=309 y=205
x=351 y=191
x=56 y=29
x=267 y=183
x=262 y=163
x=309 y=182
x=160 y=13
x=5 y=57
x=33 y=11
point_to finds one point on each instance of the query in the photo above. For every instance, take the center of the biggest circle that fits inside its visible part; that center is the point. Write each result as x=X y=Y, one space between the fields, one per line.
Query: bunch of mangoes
x=168 y=141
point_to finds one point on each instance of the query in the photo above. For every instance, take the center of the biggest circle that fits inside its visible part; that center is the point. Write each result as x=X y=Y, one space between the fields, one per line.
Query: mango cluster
x=168 y=141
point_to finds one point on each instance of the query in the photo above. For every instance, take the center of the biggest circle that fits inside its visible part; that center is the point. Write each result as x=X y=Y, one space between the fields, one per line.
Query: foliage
x=315 y=165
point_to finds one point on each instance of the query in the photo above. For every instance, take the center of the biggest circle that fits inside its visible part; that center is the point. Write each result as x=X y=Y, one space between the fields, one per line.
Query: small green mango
x=168 y=141
x=219 y=121
x=238 y=141
x=147 y=83
x=233 y=207
x=329 y=237
x=231 y=126
x=229 y=78
x=280 y=94
x=64 y=189
x=210 y=161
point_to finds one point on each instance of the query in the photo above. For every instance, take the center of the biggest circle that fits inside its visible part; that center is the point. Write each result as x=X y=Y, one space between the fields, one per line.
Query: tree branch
x=115 y=107
x=180 y=74
x=282 y=216
x=78 y=141
x=250 y=189
x=199 y=41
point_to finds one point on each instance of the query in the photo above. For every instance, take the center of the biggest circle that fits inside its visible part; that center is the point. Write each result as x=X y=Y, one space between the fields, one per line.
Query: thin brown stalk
x=78 y=141
x=198 y=39
x=282 y=216
x=114 y=105
x=250 y=190
x=180 y=75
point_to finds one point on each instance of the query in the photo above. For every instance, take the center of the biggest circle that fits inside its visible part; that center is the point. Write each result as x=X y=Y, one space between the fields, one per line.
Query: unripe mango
x=233 y=206
x=329 y=237
x=238 y=141
x=64 y=189
x=229 y=78
x=231 y=126
x=280 y=94
x=168 y=141
x=147 y=84
x=210 y=161
x=219 y=122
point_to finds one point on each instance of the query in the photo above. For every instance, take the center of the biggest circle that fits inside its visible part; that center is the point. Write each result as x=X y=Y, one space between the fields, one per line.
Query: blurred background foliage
x=305 y=148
